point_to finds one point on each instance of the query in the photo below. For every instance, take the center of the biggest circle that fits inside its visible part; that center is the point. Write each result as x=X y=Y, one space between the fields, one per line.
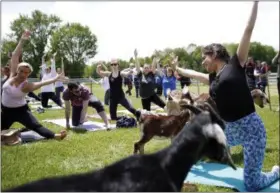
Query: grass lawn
x=82 y=152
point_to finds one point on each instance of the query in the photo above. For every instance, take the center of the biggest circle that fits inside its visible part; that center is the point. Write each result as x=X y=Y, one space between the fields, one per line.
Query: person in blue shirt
x=168 y=81
x=158 y=82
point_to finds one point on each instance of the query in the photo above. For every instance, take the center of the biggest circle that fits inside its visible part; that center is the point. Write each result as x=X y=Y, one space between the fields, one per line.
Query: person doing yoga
x=230 y=91
x=47 y=92
x=147 y=84
x=80 y=98
x=14 y=106
x=59 y=87
x=117 y=95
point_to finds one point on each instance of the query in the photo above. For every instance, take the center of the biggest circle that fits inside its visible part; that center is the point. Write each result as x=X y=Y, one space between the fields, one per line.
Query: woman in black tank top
x=117 y=95
x=230 y=91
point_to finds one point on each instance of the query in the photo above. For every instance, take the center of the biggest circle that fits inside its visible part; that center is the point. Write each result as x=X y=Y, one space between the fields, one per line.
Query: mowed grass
x=83 y=152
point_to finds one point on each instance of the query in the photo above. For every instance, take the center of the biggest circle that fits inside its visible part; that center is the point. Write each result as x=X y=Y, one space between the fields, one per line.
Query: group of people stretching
x=227 y=82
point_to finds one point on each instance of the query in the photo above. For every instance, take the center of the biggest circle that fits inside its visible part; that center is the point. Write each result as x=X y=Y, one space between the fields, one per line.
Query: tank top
x=12 y=96
x=116 y=91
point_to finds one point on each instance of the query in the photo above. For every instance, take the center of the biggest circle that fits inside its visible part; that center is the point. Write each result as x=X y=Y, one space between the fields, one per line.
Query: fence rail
x=271 y=79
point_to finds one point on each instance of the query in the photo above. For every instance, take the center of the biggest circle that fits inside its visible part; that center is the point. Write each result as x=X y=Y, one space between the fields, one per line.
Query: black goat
x=163 y=171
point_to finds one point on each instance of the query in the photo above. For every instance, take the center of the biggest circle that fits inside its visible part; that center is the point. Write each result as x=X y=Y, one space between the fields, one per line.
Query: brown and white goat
x=152 y=125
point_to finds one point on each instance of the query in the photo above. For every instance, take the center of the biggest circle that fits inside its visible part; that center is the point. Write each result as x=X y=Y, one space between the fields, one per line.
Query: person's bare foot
x=61 y=135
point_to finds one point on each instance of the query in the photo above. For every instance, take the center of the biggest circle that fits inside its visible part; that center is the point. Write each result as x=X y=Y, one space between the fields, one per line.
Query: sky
x=121 y=27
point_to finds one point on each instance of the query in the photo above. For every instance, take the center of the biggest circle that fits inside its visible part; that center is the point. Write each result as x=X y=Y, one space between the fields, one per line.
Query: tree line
x=76 y=44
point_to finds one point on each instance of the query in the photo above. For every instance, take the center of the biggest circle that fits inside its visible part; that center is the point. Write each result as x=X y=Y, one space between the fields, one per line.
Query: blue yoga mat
x=214 y=174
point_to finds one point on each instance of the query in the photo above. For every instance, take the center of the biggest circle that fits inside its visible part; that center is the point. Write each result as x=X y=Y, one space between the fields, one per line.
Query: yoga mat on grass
x=214 y=174
x=96 y=116
x=89 y=125
x=52 y=108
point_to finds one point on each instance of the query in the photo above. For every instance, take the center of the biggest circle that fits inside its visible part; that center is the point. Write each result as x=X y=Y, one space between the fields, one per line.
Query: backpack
x=126 y=122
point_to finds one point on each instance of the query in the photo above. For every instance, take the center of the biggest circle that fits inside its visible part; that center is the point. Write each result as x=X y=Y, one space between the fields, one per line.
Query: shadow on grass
x=79 y=131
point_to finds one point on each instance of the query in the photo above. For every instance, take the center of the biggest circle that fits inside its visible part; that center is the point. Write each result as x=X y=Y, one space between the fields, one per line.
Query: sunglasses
x=114 y=64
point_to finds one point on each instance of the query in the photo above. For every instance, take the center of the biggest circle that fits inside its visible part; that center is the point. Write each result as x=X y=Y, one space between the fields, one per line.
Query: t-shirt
x=168 y=83
x=147 y=84
x=230 y=91
x=76 y=101
x=105 y=83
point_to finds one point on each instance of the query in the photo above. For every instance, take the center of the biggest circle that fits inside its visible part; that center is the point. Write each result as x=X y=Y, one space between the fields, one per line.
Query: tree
x=76 y=43
x=42 y=26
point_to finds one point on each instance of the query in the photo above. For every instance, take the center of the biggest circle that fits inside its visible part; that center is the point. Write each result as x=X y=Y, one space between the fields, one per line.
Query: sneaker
x=275 y=169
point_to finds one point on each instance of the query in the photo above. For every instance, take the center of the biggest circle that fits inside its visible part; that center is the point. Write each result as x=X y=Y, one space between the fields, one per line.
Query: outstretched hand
x=135 y=53
x=174 y=62
x=26 y=35
x=61 y=77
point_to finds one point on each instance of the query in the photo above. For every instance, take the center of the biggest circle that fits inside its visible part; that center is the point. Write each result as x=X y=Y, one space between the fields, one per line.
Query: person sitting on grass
x=80 y=98
x=230 y=91
x=15 y=89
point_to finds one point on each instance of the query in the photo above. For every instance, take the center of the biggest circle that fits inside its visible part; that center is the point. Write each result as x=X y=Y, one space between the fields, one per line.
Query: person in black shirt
x=249 y=70
x=117 y=95
x=230 y=91
x=147 y=84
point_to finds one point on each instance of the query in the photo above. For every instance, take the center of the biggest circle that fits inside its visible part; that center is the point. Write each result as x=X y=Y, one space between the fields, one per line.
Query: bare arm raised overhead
x=202 y=77
x=244 y=45
x=17 y=52
x=53 y=68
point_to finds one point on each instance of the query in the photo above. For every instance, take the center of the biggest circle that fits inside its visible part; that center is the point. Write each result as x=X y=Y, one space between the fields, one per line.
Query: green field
x=82 y=152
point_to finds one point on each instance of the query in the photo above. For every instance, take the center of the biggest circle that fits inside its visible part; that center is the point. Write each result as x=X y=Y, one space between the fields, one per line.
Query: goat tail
x=192 y=108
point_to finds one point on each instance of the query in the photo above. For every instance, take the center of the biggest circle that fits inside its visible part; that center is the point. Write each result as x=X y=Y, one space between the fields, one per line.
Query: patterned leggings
x=250 y=133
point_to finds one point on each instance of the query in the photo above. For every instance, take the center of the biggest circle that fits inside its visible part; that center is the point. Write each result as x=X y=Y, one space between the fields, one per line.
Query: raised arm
x=137 y=65
x=17 y=52
x=204 y=78
x=159 y=71
x=30 y=87
x=244 y=45
x=275 y=60
x=53 y=68
x=154 y=65
x=43 y=65
x=101 y=72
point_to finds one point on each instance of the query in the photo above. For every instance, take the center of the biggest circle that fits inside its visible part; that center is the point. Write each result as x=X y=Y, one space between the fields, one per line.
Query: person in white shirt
x=104 y=82
x=47 y=92
x=14 y=106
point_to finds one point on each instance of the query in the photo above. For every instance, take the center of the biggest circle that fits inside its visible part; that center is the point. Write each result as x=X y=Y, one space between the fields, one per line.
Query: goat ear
x=214 y=115
x=192 y=108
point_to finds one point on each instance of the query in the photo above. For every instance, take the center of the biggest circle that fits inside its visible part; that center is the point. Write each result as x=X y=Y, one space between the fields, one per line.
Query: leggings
x=124 y=102
x=59 y=90
x=24 y=116
x=33 y=95
x=107 y=97
x=146 y=103
x=250 y=133
x=77 y=110
x=45 y=96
